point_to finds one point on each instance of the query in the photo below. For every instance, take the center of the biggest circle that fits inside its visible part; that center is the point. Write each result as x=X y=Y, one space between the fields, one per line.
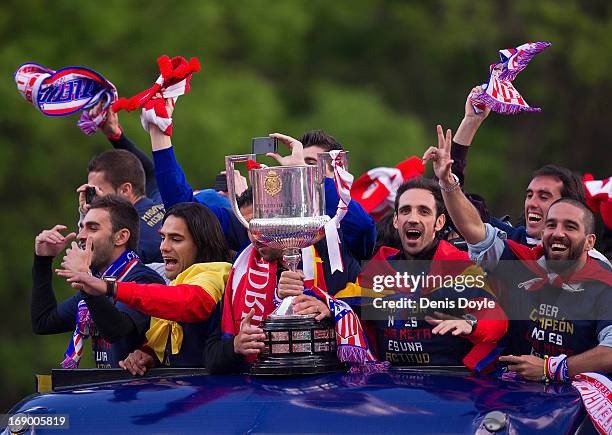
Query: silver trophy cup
x=288 y=208
x=289 y=214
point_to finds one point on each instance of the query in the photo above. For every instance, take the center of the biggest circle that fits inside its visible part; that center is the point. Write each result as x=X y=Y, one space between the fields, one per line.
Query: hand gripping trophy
x=288 y=214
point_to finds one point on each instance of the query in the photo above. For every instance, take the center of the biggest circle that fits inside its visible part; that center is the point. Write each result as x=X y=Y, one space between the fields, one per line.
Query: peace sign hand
x=440 y=156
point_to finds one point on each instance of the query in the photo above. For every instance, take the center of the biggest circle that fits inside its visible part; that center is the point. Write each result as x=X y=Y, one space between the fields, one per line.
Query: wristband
x=555 y=368
x=115 y=137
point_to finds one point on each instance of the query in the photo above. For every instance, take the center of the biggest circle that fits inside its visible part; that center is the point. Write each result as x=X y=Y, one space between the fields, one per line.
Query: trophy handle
x=230 y=162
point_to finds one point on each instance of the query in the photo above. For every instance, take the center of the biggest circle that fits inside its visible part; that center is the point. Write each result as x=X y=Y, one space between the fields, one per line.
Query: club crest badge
x=273 y=183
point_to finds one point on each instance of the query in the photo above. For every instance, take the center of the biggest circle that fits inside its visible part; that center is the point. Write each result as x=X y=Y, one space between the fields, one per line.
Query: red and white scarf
x=66 y=91
x=375 y=190
x=596 y=393
x=173 y=81
x=498 y=93
x=599 y=197
x=343 y=180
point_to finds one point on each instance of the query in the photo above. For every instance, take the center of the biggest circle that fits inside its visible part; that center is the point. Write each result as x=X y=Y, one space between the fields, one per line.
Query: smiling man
x=548 y=184
x=558 y=296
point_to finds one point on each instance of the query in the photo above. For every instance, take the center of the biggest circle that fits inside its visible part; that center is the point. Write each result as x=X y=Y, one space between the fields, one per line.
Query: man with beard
x=435 y=330
x=109 y=232
x=559 y=297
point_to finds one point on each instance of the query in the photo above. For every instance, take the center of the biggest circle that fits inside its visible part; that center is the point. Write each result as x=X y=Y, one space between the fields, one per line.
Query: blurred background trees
x=376 y=74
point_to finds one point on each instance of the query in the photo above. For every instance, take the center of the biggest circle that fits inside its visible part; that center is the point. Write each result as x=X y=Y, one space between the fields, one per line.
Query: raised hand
x=110 y=127
x=440 y=156
x=77 y=259
x=137 y=362
x=51 y=242
x=469 y=106
x=83 y=206
x=290 y=284
x=249 y=340
x=297 y=151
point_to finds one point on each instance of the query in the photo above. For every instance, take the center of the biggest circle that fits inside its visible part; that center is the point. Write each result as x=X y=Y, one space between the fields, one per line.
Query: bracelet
x=452 y=187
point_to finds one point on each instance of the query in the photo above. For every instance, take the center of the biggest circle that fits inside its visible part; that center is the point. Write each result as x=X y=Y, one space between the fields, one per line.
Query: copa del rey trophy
x=289 y=214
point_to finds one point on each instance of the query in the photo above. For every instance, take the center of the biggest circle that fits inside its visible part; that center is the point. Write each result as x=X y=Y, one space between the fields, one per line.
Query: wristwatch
x=472 y=321
x=111 y=285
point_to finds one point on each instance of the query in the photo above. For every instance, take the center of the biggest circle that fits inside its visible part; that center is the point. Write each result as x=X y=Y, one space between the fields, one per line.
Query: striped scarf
x=66 y=91
x=498 y=93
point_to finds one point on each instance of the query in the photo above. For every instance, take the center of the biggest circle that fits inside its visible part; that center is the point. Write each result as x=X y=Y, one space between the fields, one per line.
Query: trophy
x=289 y=214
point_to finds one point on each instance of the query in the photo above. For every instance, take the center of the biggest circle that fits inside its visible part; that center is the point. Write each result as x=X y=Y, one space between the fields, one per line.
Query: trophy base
x=297 y=365
x=297 y=345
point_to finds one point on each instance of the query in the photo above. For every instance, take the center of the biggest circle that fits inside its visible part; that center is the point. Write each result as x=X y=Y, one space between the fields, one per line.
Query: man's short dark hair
x=588 y=217
x=246 y=198
x=122 y=215
x=572 y=185
x=119 y=167
x=205 y=231
x=320 y=138
x=425 y=184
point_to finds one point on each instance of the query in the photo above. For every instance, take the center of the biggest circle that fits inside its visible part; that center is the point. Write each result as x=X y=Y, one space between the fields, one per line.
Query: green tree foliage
x=376 y=74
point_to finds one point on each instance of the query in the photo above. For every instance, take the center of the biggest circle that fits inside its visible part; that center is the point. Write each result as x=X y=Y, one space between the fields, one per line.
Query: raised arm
x=463 y=214
x=465 y=135
x=115 y=135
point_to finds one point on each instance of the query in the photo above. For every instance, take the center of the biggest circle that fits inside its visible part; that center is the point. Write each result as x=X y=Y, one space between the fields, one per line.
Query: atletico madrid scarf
x=173 y=81
x=66 y=91
x=498 y=93
x=85 y=327
x=352 y=344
